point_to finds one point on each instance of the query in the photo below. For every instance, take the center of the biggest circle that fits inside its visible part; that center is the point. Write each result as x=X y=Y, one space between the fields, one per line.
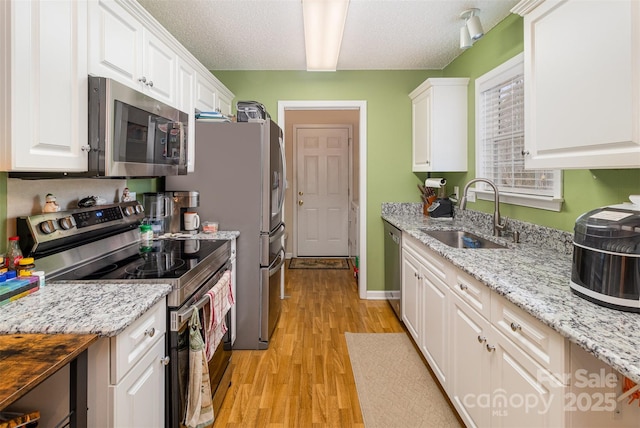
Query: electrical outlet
x=456 y=192
x=471 y=196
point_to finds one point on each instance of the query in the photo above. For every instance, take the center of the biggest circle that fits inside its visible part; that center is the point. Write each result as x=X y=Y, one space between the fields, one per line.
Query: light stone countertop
x=103 y=308
x=536 y=279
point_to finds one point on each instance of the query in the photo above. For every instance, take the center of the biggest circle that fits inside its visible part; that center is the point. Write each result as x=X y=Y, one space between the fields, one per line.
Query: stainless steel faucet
x=498 y=225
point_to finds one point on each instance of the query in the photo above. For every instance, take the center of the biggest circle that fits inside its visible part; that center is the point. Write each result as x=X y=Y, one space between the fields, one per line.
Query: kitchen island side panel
x=227 y=174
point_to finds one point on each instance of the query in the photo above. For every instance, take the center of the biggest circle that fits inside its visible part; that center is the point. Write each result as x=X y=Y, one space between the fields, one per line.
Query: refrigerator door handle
x=284 y=175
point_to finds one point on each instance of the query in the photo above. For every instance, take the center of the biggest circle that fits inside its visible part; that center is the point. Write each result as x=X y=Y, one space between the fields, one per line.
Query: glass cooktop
x=165 y=259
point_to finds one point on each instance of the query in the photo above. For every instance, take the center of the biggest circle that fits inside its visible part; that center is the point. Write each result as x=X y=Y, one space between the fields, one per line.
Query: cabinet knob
x=165 y=360
x=86 y=148
x=525 y=153
x=150 y=84
x=150 y=332
x=142 y=79
x=490 y=348
x=482 y=339
x=515 y=326
x=463 y=287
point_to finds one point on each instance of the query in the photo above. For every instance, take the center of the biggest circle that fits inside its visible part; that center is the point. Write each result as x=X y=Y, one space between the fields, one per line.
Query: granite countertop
x=535 y=275
x=103 y=308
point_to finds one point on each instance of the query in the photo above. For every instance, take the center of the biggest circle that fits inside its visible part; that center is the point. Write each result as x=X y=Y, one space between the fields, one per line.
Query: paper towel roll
x=435 y=182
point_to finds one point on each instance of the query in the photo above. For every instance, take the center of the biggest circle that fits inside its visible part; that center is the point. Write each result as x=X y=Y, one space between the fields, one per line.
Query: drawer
x=434 y=263
x=537 y=340
x=475 y=293
x=129 y=347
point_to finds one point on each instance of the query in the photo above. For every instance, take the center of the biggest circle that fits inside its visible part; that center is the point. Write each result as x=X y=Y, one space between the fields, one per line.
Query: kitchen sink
x=462 y=239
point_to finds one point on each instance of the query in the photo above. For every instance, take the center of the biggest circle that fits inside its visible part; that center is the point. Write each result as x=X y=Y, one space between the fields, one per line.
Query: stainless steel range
x=101 y=244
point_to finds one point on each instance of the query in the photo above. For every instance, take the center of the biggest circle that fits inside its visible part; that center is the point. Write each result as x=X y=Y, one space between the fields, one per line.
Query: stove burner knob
x=47 y=227
x=139 y=209
x=66 y=223
x=129 y=210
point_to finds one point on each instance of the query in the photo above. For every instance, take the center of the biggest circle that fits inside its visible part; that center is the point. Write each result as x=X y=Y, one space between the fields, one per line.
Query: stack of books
x=212 y=116
x=15 y=288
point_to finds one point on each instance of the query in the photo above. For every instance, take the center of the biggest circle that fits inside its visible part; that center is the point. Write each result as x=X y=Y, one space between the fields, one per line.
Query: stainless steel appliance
x=158 y=208
x=606 y=257
x=393 y=266
x=240 y=174
x=133 y=135
x=101 y=243
x=182 y=202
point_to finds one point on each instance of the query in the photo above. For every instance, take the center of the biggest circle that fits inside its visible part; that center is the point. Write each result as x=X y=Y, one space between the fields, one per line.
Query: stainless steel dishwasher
x=392 y=266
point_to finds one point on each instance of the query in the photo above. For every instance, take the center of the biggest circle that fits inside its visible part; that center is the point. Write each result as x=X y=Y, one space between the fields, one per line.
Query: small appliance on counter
x=183 y=201
x=606 y=257
x=158 y=207
x=441 y=207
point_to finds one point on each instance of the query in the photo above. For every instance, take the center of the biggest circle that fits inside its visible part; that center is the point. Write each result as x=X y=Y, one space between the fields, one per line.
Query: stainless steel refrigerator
x=240 y=174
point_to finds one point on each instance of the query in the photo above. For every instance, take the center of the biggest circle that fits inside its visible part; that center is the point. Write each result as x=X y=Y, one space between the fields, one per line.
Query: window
x=500 y=142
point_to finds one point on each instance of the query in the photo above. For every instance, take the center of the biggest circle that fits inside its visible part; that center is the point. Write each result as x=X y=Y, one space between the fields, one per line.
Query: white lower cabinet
x=494 y=360
x=127 y=374
x=425 y=304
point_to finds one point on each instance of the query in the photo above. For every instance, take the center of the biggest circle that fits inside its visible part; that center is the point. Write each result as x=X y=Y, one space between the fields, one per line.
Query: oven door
x=178 y=369
x=270 y=297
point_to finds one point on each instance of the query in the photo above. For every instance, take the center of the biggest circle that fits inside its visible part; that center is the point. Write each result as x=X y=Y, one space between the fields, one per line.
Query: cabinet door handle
x=463 y=287
x=515 y=326
x=150 y=332
x=490 y=348
x=165 y=360
x=482 y=339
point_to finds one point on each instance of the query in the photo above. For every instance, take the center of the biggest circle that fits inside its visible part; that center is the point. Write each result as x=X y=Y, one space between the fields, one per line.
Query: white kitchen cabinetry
x=43 y=86
x=425 y=303
x=582 y=89
x=439 y=125
x=186 y=103
x=124 y=50
x=126 y=388
x=212 y=96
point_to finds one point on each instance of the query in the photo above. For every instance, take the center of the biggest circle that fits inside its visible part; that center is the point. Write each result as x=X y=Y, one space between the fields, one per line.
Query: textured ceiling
x=269 y=34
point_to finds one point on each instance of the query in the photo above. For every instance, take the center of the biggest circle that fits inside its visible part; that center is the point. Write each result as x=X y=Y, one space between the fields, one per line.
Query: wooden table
x=26 y=360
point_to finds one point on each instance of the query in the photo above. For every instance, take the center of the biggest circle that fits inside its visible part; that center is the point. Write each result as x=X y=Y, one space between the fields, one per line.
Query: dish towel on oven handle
x=220 y=301
x=199 y=413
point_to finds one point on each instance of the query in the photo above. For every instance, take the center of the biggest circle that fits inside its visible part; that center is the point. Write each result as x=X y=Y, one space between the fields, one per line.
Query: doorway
x=321 y=185
x=359 y=189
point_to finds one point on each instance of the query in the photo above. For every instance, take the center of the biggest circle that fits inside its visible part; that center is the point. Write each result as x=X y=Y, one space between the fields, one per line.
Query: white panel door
x=322 y=183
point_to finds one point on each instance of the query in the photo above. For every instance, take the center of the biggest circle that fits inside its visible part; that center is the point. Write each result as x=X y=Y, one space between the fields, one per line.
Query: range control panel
x=69 y=225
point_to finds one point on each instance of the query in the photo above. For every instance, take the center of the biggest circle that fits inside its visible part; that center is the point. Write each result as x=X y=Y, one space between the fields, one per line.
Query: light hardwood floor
x=305 y=379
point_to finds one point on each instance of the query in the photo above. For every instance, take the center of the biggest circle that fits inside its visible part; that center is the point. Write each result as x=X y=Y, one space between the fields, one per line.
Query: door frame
x=294 y=167
x=361 y=106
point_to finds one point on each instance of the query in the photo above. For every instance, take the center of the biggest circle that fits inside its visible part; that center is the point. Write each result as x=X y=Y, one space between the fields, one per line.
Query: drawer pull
x=150 y=332
x=482 y=339
x=463 y=287
x=165 y=360
x=515 y=326
x=490 y=348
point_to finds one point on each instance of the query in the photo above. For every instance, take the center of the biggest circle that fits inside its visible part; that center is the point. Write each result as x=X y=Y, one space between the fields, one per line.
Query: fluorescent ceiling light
x=323 y=28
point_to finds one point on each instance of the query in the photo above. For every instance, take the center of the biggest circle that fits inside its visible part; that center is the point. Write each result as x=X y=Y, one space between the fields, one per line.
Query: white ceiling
x=269 y=34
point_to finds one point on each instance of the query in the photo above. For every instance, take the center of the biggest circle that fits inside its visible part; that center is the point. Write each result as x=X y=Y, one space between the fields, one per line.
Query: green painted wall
x=584 y=190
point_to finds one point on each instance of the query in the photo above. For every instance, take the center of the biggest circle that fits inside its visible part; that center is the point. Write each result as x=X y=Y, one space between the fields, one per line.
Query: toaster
x=606 y=257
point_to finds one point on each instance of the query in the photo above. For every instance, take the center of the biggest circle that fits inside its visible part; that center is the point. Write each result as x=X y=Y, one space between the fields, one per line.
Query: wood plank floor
x=305 y=379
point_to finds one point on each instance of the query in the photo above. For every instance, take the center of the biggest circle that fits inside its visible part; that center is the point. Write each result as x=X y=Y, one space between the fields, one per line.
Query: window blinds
x=502 y=141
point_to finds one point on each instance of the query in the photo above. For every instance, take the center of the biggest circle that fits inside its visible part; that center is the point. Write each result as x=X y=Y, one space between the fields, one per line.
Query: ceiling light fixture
x=472 y=30
x=323 y=29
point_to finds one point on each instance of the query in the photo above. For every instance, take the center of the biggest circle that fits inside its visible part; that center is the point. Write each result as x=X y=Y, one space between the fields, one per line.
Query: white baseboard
x=376 y=295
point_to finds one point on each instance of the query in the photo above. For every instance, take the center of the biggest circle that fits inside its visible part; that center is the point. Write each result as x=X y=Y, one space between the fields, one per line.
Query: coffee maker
x=182 y=201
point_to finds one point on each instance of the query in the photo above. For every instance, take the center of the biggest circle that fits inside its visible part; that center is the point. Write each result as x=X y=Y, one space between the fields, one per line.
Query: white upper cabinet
x=124 y=50
x=582 y=83
x=439 y=125
x=186 y=101
x=43 y=86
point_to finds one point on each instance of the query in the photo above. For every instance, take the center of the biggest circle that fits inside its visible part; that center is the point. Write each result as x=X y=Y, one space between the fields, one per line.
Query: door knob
x=300 y=203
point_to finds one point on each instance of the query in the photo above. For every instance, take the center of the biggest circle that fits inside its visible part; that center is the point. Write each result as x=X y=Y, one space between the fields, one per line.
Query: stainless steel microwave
x=132 y=134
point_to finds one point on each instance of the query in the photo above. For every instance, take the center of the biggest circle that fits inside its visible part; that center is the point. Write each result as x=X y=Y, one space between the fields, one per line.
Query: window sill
x=532 y=201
